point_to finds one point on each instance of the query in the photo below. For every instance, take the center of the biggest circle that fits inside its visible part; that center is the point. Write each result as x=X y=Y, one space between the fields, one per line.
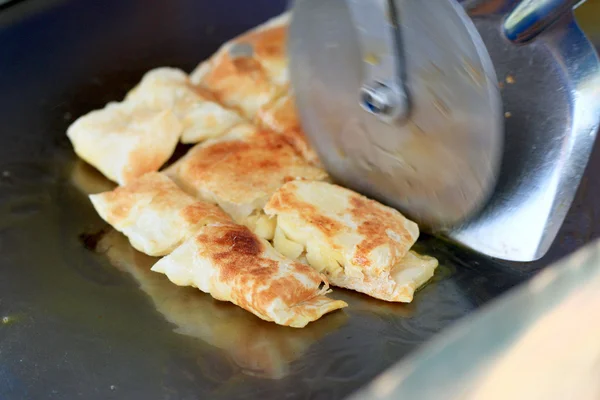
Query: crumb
x=501 y=85
x=508 y=114
x=112 y=387
x=510 y=79
x=372 y=59
x=5 y=320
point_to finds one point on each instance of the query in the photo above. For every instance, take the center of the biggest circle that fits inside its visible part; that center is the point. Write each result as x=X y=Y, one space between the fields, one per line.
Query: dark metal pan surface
x=82 y=322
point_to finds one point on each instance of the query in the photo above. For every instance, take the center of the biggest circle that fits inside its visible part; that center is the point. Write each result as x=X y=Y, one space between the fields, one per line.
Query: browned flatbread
x=200 y=115
x=280 y=116
x=155 y=214
x=240 y=171
x=124 y=141
x=249 y=71
x=357 y=243
x=250 y=74
x=233 y=264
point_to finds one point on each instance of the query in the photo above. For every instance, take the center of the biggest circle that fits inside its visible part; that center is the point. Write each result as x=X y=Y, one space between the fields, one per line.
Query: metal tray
x=76 y=325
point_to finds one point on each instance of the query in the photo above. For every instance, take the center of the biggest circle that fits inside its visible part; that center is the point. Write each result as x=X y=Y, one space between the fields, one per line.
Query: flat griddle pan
x=75 y=326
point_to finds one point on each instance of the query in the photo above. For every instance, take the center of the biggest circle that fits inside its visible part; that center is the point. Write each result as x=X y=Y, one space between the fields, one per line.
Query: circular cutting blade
x=440 y=164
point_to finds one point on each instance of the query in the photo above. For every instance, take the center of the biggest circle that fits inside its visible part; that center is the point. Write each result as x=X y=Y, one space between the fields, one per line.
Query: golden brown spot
x=123 y=198
x=201 y=211
x=280 y=116
x=203 y=92
x=289 y=289
x=268 y=43
x=209 y=95
x=238 y=254
x=287 y=200
x=245 y=81
x=233 y=80
x=241 y=170
x=230 y=71
x=156 y=191
x=202 y=158
x=121 y=204
x=241 y=241
x=236 y=250
x=376 y=221
x=249 y=67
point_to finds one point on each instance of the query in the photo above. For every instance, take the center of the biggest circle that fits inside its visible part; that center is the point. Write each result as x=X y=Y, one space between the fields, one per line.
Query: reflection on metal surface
x=530 y=18
x=88 y=179
x=538 y=342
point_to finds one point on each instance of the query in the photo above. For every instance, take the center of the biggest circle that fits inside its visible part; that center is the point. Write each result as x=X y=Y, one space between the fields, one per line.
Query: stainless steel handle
x=532 y=17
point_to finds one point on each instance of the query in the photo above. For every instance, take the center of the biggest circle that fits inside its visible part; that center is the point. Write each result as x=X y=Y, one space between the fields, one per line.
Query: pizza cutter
x=474 y=118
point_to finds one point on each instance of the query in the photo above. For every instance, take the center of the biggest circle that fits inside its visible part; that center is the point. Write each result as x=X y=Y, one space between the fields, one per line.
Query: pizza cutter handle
x=532 y=17
x=383 y=92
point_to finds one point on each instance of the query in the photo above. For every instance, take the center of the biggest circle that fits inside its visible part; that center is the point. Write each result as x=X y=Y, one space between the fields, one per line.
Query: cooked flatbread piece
x=250 y=70
x=233 y=264
x=250 y=74
x=199 y=113
x=240 y=171
x=155 y=214
x=356 y=242
x=124 y=141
